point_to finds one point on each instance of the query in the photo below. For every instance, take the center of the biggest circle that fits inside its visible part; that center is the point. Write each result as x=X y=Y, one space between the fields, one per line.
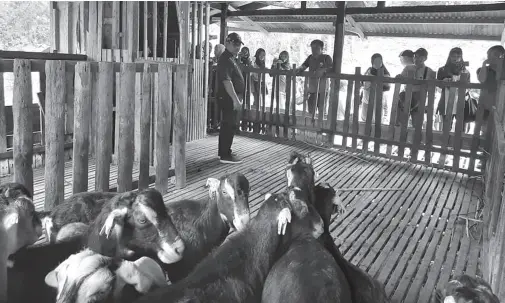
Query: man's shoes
x=231 y=153
x=230 y=160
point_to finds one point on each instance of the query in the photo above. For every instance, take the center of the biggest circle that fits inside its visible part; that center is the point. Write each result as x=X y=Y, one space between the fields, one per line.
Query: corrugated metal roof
x=484 y=25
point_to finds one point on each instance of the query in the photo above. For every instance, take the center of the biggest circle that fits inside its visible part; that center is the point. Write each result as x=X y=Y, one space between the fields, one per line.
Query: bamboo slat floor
x=411 y=240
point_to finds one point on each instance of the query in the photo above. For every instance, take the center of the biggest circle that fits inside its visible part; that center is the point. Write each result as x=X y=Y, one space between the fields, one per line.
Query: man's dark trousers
x=228 y=126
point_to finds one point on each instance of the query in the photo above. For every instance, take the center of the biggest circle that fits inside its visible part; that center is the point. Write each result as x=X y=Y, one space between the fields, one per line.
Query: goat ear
x=449 y=299
x=7 y=193
x=213 y=185
x=267 y=196
x=142 y=274
x=308 y=160
x=51 y=279
x=10 y=220
x=300 y=207
x=110 y=222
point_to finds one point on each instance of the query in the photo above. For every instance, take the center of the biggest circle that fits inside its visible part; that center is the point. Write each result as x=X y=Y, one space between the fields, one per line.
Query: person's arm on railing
x=304 y=66
x=328 y=66
x=482 y=72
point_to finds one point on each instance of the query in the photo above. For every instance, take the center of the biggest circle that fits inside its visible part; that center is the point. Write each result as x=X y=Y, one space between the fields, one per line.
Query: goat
x=466 y=289
x=91 y=277
x=131 y=224
x=81 y=207
x=71 y=231
x=236 y=270
x=204 y=224
x=14 y=190
x=307 y=272
x=299 y=173
x=364 y=288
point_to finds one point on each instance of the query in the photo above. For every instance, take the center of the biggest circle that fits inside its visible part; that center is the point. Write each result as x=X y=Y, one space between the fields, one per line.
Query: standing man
x=319 y=64
x=230 y=94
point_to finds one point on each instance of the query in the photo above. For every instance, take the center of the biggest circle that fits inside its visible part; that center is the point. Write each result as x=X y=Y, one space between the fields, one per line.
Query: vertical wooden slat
x=458 y=131
x=53 y=25
x=154 y=96
x=476 y=138
x=418 y=124
x=429 y=122
x=55 y=131
x=145 y=127
x=350 y=85
x=117 y=94
x=69 y=34
x=286 y=106
x=180 y=116
x=106 y=77
x=378 y=111
x=69 y=104
x=116 y=12
x=99 y=37
x=133 y=29
x=277 y=117
x=22 y=147
x=165 y=29
x=42 y=105
x=206 y=68
x=293 y=104
x=355 y=122
x=146 y=16
x=192 y=90
x=201 y=69
x=404 y=117
x=163 y=126
x=83 y=16
x=446 y=125
x=155 y=29
x=320 y=108
x=369 y=115
x=272 y=100
x=3 y=129
x=138 y=115
x=126 y=34
x=81 y=126
x=93 y=32
x=262 y=88
x=126 y=113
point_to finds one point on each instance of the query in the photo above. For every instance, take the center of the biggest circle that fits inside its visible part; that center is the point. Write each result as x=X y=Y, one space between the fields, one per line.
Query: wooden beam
x=223 y=29
x=253 y=24
x=348 y=31
x=373 y=10
x=41 y=56
x=381 y=4
x=304 y=4
x=338 y=49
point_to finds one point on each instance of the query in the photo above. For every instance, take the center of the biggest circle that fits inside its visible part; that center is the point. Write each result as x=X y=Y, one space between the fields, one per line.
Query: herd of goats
x=131 y=247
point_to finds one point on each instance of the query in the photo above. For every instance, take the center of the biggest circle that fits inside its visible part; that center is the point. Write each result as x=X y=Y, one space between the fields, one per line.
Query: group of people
x=415 y=67
x=231 y=84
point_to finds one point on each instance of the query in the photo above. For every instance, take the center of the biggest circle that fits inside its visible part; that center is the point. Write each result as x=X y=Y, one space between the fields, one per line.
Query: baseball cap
x=235 y=38
x=421 y=52
x=407 y=53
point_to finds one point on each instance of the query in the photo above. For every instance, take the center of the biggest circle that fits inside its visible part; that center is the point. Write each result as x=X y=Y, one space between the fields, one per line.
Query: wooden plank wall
x=56 y=143
x=392 y=133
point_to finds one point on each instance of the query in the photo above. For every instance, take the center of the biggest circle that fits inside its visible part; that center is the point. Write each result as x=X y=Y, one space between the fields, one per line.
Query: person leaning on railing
x=282 y=63
x=487 y=75
x=420 y=72
x=317 y=63
x=374 y=70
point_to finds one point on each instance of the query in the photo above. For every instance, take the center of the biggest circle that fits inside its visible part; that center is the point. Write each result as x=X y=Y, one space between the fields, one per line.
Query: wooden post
x=126 y=114
x=180 y=116
x=146 y=16
x=81 y=126
x=55 y=131
x=3 y=128
x=337 y=65
x=105 y=77
x=224 y=29
x=183 y=55
x=145 y=127
x=163 y=126
x=165 y=29
x=133 y=29
x=69 y=104
x=206 y=68
x=23 y=130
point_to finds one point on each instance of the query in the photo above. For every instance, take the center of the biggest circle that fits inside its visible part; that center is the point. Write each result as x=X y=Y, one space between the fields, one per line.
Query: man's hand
x=320 y=72
x=237 y=105
x=485 y=63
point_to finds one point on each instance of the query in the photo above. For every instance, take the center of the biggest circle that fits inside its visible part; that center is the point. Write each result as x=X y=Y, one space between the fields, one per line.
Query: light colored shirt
x=420 y=73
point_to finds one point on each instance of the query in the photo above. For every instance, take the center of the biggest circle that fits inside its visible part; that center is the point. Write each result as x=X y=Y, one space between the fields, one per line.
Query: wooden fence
x=96 y=98
x=493 y=257
x=386 y=132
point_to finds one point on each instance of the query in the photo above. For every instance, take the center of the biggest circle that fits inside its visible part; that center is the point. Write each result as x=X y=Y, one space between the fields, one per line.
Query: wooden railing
x=93 y=105
x=386 y=132
x=493 y=256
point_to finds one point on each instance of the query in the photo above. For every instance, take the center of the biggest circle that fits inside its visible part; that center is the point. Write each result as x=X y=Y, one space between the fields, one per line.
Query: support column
x=224 y=29
x=338 y=49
